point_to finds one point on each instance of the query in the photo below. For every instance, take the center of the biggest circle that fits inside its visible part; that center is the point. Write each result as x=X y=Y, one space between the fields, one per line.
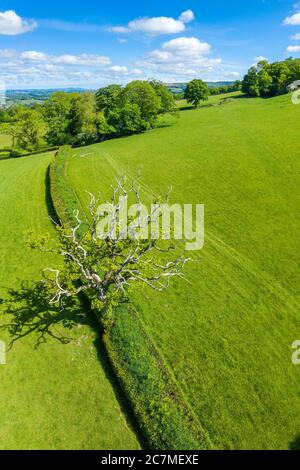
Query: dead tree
x=107 y=266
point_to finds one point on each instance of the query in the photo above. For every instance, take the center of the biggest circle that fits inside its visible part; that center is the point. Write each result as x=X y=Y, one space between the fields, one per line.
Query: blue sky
x=91 y=43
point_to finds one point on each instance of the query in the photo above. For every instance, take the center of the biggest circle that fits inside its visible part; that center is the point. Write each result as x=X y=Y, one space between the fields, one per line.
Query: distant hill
x=177 y=88
x=33 y=95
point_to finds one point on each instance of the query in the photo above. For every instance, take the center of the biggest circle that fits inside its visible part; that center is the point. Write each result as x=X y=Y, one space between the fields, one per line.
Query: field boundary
x=165 y=417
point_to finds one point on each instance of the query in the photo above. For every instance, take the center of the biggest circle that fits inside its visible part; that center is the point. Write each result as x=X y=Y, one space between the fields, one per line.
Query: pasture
x=227 y=331
x=56 y=396
x=5 y=141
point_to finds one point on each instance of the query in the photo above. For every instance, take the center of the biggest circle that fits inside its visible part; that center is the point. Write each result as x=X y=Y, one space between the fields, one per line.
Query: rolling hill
x=227 y=332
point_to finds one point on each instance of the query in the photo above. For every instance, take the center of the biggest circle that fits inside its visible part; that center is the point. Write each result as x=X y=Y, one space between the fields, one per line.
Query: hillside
x=230 y=350
x=57 y=396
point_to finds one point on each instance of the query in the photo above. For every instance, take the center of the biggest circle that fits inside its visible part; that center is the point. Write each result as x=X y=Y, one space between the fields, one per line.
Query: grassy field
x=5 y=141
x=56 y=396
x=227 y=333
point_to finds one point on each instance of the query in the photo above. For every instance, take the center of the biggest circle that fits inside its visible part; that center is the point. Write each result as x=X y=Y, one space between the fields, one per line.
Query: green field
x=58 y=396
x=5 y=141
x=227 y=332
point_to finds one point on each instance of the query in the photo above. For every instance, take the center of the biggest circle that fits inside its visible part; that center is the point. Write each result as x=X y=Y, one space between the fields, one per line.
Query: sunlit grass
x=227 y=333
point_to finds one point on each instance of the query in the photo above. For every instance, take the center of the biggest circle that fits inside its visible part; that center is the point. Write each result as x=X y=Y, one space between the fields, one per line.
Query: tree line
x=86 y=118
x=271 y=79
x=220 y=90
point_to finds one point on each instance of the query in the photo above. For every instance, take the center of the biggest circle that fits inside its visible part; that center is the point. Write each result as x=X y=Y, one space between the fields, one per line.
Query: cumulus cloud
x=88 y=60
x=296 y=37
x=181 y=58
x=187 y=16
x=119 y=69
x=34 y=56
x=293 y=20
x=293 y=49
x=36 y=69
x=156 y=26
x=12 y=24
x=187 y=47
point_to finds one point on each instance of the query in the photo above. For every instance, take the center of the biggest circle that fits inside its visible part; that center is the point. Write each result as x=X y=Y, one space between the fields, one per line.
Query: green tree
x=167 y=101
x=271 y=79
x=83 y=116
x=27 y=130
x=142 y=94
x=108 y=98
x=71 y=118
x=265 y=82
x=131 y=120
x=57 y=114
x=104 y=129
x=196 y=91
x=250 y=83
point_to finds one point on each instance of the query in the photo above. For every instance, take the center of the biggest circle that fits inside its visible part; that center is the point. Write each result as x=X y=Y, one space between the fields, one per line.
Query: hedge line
x=63 y=197
x=164 y=415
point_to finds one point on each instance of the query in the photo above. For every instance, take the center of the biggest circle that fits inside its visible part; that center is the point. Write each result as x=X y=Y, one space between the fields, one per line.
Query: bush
x=164 y=416
x=16 y=153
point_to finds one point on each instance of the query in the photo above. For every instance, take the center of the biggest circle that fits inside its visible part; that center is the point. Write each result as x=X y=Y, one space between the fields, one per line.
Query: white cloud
x=88 y=60
x=119 y=69
x=187 y=16
x=34 y=56
x=156 y=26
x=7 y=53
x=181 y=59
x=31 y=69
x=293 y=49
x=293 y=20
x=12 y=24
x=188 y=47
x=296 y=37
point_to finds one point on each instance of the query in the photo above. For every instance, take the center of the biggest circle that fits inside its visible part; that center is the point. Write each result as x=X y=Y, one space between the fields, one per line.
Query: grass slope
x=5 y=141
x=227 y=334
x=57 y=396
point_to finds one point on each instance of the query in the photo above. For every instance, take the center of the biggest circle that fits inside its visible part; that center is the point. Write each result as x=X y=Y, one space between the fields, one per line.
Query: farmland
x=227 y=332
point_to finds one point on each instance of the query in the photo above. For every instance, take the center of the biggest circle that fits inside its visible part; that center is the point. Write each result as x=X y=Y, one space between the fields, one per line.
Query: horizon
x=95 y=89
x=50 y=47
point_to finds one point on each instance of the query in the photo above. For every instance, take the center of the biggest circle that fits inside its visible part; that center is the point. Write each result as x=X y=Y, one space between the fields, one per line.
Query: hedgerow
x=164 y=416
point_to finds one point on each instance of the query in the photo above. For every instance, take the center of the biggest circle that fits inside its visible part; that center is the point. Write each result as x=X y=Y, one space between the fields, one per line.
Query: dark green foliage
x=268 y=80
x=162 y=412
x=27 y=130
x=220 y=90
x=71 y=118
x=167 y=100
x=142 y=94
x=86 y=118
x=128 y=120
x=108 y=97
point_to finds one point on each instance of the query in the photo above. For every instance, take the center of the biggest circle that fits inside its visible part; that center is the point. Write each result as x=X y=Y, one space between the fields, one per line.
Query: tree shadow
x=48 y=198
x=30 y=312
x=295 y=445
